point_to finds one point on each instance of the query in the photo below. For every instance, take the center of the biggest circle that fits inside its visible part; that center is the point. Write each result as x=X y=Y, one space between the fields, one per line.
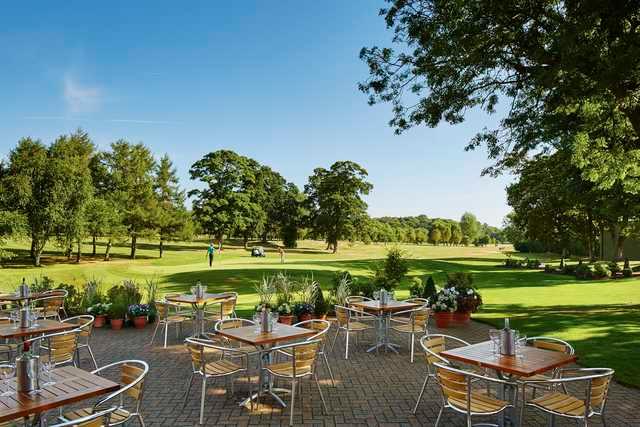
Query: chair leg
x=293 y=400
x=92 y=356
x=333 y=343
x=346 y=346
x=324 y=404
x=424 y=386
x=439 y=416
x=412 y=346
x=604 y=420
x=141 y=420
x=326 y=363
x=166 y=331
x=469 y=421
x=155 y=331
x=186 y=393
x=202 y=396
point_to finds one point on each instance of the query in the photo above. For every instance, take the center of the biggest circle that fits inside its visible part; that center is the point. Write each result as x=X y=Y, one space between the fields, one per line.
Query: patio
x=371 y=389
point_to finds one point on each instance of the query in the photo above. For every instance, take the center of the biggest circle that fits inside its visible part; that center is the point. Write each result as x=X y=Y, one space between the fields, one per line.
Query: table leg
x=506 y=392
x=265 y=385
x=383 y=335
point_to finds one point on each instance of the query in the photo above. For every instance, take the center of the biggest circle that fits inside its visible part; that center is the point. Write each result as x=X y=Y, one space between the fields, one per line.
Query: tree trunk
x=335 y=246
x=265 y=238
x=69 y=251
x=161 y=246
x=37 y=255
x=620 y=246
x=94 y=245
x=246 y=242
x=134 y=241
x=79 y=253
x=107 y=250
x=32 y=253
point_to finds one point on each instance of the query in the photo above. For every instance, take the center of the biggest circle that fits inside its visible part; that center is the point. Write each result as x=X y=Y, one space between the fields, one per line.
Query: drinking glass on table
x=494 y=335
x=6 y=373
x=34 y=318
x=521 y=343
x=47 y=367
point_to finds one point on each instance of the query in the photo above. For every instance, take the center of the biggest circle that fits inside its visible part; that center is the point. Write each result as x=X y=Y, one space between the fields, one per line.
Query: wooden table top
x=390 y=307
x=282 y=332
x=529 y=362
x=44 y=327
x=71 y=385
x=15 y=297
x=191 y=299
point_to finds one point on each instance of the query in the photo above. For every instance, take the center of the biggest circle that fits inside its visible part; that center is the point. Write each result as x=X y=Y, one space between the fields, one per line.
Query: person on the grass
x=211 y=250
x=281 y=252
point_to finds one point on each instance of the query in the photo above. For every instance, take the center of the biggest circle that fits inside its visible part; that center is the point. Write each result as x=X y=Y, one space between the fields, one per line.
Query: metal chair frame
x=588 y=377
x=49 y=347
x=359 y=315
x=86 y=329
x=400 y=318
x=200 y=368
x=295 y=375
x=223 y=313
x=322 y=336
x=90 y=420
x=165 y=321
x=52 y=295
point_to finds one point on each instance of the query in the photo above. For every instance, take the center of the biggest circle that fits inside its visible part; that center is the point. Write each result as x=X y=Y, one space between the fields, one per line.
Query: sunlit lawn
x=600 y=318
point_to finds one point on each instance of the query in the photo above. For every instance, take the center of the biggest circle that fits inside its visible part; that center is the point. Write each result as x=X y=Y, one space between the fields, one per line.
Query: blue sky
x=276 y=81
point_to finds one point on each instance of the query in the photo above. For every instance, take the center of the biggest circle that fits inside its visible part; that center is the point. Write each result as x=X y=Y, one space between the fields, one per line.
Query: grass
x=600 y=318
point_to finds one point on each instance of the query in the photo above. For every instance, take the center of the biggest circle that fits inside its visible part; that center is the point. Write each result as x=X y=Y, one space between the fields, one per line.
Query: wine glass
x=34 y=318
x=494 y=335
x=47 y=366
x=6 y=373
x=521 y=343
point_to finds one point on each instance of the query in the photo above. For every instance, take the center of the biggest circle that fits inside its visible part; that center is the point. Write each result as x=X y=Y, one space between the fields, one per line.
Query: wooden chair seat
x=560 y=403
x=407 y=328
x=118 y=416
x=285 y=369
x=177 y=318
x=221 y=367
x=358 y=326
x=480 y=403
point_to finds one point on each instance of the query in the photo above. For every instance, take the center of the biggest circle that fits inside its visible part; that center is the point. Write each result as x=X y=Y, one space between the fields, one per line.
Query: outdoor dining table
x=21 y=300
x=263 y=341
x=199 y=305
x=42 y=326
x=384 y=312
x=528 y=362
x=70 y=385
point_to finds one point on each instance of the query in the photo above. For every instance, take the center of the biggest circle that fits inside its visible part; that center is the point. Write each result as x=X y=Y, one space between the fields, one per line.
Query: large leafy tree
x=292 y=215
x=127 y=174
x=335 y=198
x=469 y=226
x=171 y=214
x=567 y=70
x=226 y=202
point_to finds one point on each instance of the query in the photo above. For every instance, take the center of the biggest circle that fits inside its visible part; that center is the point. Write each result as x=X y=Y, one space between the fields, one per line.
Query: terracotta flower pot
x=462 y=318
x=99 y=321
x=140 y=322
x=286 y=319
x=305 y=317
x=444 y=319
x=117 y=324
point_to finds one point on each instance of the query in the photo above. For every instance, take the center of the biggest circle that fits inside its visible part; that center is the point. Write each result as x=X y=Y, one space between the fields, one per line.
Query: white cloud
x=81 y=98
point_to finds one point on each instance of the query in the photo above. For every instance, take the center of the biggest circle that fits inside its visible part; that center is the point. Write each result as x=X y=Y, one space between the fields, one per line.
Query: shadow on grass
x=602 y=335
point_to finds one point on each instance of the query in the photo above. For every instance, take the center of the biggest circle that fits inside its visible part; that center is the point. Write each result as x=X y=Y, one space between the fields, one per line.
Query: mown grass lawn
x=600 y=318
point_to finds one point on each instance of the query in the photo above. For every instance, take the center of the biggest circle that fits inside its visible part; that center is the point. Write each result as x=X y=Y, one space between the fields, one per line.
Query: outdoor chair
x=322 y=326
x=202 y=351
x=433 y=345
x=350 y=320
x=414 y=325
x=226 y=309
x=97 y=419
x=59 y=348
x=50 y=304
x=230 y=324
x=552 y=344
x=418 y=300
x=85 y=326
x=7 y=348
x=301 y=365
x=355 y=298
x=594 y=383
x=456 y=386
x=166 y=318
x=132 y=376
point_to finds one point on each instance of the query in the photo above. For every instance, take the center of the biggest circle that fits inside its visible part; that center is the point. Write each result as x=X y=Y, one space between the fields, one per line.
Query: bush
x=129 y=292
x=416 y=288
x=626 y=264
x=548 y=268
x=395 y=266
x=569 y=269
x=459 y=280
x=429 y=289
x=532 y=263
x=601 y=270
x=320 y=305
x=614 y=267
x=338 y=277
x=363 y=288
x=627 y=272
x=512 y=263
x=583 y=271
x=529 y=246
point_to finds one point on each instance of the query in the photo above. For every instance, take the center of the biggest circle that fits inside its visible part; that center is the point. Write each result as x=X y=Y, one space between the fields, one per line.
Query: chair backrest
x=163 y=309
x=228 y=306
x=84 y=323
x=132 y=376
x=417 y=300
x=599 y=388
x=342 y=315
x=60 y=347
x=454 y=384
x=550 y=343
x=356 y=298
x=420 y=318
x=303 y=356
x=319 y=325
x=232 y=323
x=51 y=301
x=434 y=344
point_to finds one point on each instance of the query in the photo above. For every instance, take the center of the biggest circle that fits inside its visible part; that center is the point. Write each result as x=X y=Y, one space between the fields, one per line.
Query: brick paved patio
x=371 y=389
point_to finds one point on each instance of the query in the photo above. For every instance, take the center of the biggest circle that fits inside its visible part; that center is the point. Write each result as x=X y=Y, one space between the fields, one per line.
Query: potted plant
x=117 y=313
x=138 y=313
x=468 y=302
x=285 y=314
x=320 y=305
x=443 y=305
x=265 y=289
x=99 y=311
x=303 y=311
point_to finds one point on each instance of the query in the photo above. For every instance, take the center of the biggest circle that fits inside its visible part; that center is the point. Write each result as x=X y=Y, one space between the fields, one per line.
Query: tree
x=420 y=236
x=226 y=202
x=171 y=214
x=435 y=235
x=456 y=233
x=103 y=218
x=127 y=177
x=335 y=200
x=563 y=67
x=292 y=215
x=469 y=226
